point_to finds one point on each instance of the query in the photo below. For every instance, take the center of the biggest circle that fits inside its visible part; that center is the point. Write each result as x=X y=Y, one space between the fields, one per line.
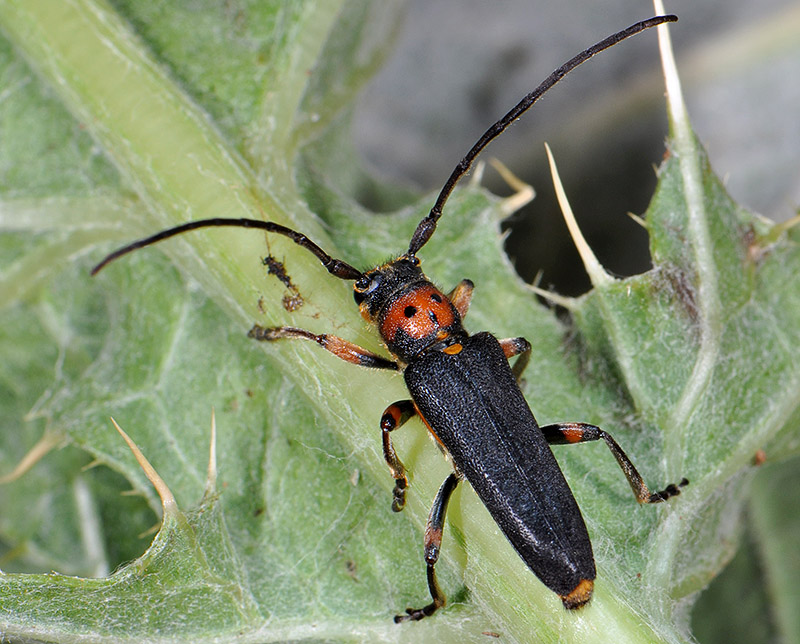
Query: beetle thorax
x=411 y=314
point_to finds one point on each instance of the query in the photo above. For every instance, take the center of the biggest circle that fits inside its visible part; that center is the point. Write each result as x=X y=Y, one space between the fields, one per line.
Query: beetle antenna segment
x=427 y=226
x=335 y=267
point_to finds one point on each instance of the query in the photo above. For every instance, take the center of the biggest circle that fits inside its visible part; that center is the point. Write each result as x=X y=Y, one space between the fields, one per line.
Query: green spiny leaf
x=195 y=120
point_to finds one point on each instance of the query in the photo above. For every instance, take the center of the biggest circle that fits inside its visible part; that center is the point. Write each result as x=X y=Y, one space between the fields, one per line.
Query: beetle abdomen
x=473 y=404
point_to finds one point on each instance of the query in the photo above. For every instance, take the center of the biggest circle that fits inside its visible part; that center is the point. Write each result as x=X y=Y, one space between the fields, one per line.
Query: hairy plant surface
x=119 y=119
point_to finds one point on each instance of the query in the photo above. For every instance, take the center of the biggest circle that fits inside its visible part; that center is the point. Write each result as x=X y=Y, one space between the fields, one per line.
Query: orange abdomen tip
x=579 y=596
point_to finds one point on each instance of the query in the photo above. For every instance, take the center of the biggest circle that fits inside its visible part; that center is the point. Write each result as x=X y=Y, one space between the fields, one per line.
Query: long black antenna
x=335 y=267
x=427 y=226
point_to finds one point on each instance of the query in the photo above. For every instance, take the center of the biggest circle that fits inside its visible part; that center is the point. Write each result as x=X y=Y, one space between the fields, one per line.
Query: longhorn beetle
x=466 y=393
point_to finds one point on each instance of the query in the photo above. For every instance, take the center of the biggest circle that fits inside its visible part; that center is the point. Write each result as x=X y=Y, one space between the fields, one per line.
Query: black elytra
x=478 y=412
x=465 y=391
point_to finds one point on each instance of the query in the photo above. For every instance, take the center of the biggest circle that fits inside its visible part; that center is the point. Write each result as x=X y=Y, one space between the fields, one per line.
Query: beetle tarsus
x=416 y=614
x=399 y=494
x=668 y=492
x=439 y=600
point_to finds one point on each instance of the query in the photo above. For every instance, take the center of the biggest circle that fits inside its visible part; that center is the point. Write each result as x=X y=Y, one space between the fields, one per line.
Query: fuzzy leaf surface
x=123 y=118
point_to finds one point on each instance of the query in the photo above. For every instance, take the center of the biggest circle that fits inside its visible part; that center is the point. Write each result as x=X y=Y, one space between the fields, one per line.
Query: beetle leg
x=343 y=349
x=461 y=296
x=433 y=543
x=570 y=433
x=517 y=347
x=395 y=416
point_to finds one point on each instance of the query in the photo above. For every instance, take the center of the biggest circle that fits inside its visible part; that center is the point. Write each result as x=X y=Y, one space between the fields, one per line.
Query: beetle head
x=377 y=287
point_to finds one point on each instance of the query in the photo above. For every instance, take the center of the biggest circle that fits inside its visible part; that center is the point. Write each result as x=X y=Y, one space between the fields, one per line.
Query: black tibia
x=570 y=433
x=395 y=416
x=433 y=543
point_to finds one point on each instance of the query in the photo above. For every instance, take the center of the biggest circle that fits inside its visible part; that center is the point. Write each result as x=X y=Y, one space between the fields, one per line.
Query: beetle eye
x=365 y=285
